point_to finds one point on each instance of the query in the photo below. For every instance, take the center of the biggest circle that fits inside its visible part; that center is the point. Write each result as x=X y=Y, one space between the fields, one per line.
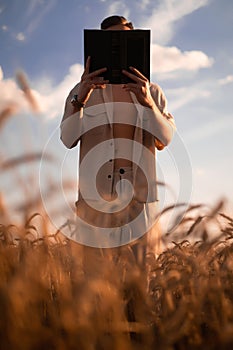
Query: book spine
x=116 y=58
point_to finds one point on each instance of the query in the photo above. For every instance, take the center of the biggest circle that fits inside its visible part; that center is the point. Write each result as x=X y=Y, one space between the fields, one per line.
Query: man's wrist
x=76 y=103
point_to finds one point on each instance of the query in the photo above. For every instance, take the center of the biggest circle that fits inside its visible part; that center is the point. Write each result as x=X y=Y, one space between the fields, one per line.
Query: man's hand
x=90 y=81
x=141 y=87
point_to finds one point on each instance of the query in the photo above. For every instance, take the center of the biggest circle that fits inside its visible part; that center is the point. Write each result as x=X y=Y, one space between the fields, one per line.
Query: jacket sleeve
x=161 y=122
x=71 y=124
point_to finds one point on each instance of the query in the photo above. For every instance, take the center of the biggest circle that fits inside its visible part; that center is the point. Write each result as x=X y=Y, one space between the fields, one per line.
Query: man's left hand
x=141 y=87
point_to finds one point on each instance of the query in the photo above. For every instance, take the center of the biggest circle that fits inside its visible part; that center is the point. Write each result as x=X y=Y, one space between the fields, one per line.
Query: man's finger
x=132 y=76
x=138 y=73
x=96 y=73
x=87 y=66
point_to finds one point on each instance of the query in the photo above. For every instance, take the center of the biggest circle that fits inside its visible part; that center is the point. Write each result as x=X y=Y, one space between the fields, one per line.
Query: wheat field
x=57 y=294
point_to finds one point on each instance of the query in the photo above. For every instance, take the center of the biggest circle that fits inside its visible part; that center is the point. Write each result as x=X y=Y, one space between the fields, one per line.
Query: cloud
x=227 y=80
x=169 y=59
x=180 y=97
x=31 y=19
x=36 y=12
x=11 y=95
x=143 y=4
x=118 y=7
x=164 y=16
x=4 y=28
x=209 y=129
x=50 y=99
x=20 y=36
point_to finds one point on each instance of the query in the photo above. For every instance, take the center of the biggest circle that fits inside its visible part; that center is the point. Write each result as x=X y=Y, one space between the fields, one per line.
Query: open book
x=117 y=50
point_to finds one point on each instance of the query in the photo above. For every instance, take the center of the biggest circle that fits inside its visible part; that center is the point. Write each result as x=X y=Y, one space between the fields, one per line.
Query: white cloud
x=36 y=11
x=49 y=98
x=11 y=94
x=168 y=59
x=227 y=80
x=20 y=36
x=52 y=102
x=180 y=97
x=143 y=4
x=34 y=7
x=164 y=16
x=4 y=28
x=209 y=129
x=118 y=7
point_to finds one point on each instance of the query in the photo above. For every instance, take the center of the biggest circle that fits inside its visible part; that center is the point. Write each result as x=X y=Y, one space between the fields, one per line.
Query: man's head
x=116 y=23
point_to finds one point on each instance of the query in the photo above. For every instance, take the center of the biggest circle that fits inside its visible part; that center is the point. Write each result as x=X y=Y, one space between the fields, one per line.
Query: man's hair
x=115 y=20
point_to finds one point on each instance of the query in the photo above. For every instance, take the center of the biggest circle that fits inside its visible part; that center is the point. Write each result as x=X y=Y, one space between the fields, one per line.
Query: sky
x=191 y=59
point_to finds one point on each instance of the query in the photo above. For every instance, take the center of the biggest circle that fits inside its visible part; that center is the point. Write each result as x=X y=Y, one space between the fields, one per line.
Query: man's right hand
x=90 y=81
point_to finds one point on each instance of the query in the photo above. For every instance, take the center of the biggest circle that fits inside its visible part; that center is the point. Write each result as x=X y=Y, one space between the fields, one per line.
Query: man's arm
x=161 y=123
x=164 y=132
x=71 y=124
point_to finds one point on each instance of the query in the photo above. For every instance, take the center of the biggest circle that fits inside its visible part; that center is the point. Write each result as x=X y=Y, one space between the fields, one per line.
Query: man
x=119 y=127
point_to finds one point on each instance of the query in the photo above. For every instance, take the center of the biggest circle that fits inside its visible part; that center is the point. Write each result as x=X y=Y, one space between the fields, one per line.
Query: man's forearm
x=159 y=125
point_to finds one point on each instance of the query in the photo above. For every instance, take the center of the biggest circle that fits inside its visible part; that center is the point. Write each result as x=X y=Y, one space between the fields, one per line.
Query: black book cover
x=117 y=50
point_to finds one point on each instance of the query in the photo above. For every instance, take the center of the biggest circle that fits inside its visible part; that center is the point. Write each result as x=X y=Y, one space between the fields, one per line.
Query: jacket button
x=109 y=176
x=122 y=171
x=110 y=160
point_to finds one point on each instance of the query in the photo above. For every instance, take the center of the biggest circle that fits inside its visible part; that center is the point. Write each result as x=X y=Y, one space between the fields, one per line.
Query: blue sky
x=192 y=60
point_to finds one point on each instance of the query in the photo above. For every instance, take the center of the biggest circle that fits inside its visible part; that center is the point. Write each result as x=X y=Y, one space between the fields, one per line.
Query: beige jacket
x=92 y=126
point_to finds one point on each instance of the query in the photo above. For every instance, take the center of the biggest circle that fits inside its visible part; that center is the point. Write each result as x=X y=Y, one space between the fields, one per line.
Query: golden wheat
x=57 y=294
